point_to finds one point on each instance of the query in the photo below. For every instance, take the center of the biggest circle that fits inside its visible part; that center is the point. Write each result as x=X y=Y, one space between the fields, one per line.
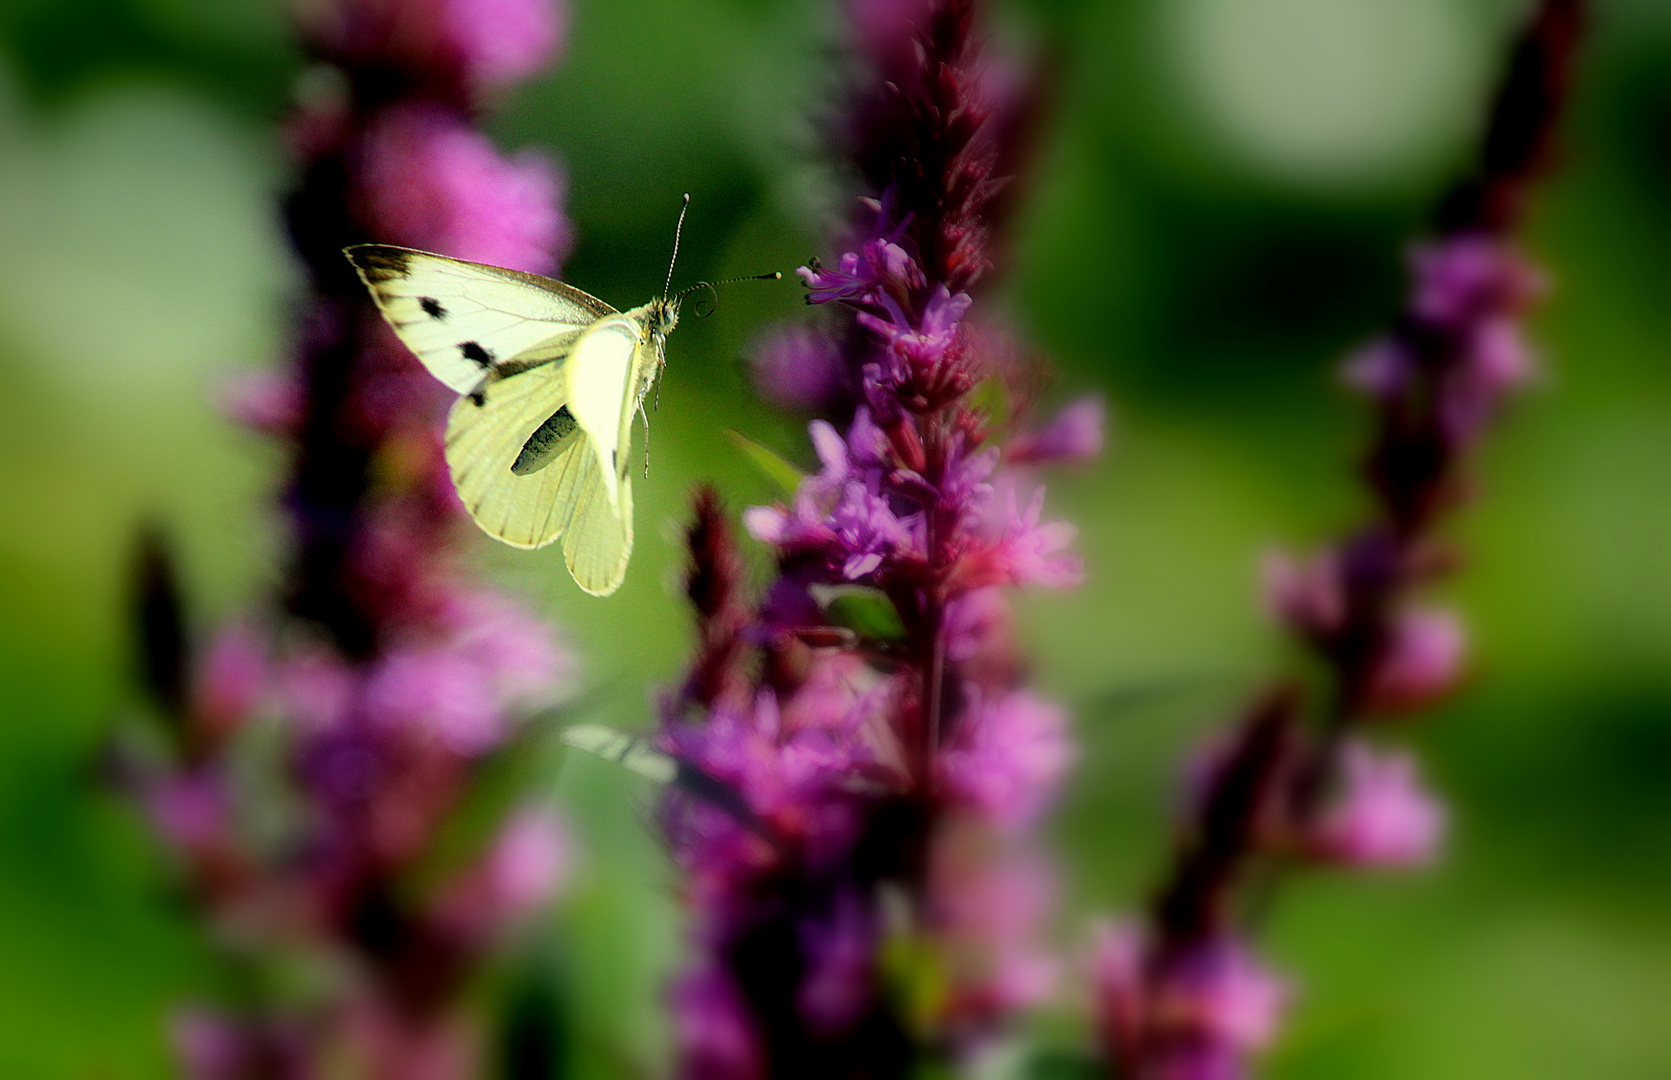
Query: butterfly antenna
x=713 y=287
x=678 y=230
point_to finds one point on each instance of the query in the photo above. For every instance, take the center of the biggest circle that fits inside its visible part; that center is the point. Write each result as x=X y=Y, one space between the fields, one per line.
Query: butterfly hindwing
x=597 y=540
x=464 y=319
x=528 y=473
x=489 y=431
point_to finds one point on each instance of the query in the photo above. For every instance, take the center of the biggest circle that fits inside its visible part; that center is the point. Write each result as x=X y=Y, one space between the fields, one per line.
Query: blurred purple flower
x=1304 y=594
x=712 y=1029
x=1195 y=1015
x=211 y=1046
x=798 y=368
x=460 y=49
x=1420 y=663
x=524 y=870
x=190 y=810
x=1382 y=816
x=840 y=952
x=504 y=41
x=1072 y=437
x=431 y=180
x=1008 y=758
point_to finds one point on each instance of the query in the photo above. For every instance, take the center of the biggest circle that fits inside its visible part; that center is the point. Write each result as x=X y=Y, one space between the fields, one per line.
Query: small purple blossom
x=798 y=368
x=1304 y=594
x=841 y=958
x=1422 y=661
x=1072 y=437
x=1034 y=552
x=527 y=866
x=1194 y=1015
x=1008 y=758
x=880 y=269
x=1383 y=817
x=501 y=42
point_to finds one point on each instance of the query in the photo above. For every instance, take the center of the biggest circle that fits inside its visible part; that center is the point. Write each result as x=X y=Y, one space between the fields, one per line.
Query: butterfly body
x=550 y=380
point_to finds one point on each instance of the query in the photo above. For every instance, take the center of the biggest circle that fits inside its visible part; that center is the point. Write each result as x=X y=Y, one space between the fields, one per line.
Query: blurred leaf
x=992 y=397
x=629 y=751
x=769 y=462
x=867 y=612
x=502 y=781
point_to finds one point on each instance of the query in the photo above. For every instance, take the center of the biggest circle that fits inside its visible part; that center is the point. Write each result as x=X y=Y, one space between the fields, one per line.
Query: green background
x=1216 y=215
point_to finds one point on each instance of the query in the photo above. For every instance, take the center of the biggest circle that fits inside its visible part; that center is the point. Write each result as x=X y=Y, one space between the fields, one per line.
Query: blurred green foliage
x=1217 y=212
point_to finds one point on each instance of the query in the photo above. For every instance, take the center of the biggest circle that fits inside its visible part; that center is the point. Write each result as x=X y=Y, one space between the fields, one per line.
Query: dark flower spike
x=1185 y=999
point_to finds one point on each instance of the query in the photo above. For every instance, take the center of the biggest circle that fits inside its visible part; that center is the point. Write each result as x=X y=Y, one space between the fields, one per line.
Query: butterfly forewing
x=464 y=319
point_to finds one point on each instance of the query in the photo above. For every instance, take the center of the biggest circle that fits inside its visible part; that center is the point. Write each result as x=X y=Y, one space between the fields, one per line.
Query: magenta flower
x=712 y=1029
x=1198 y=1015
x=1074 y=436
x=798 y=369
x=1008 y=758
x=431 y=180
x=1382 y=817
x=1421 y=662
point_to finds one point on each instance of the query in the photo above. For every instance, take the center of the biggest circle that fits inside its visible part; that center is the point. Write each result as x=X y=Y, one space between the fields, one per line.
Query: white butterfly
x=551 y=379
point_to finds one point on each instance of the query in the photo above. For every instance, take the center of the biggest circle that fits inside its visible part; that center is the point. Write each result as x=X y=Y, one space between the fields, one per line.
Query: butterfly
x=551 y=379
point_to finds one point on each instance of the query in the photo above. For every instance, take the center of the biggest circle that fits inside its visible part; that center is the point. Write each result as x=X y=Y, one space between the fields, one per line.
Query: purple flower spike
x=1293 y=775
x=854 y=818
x=394 y=681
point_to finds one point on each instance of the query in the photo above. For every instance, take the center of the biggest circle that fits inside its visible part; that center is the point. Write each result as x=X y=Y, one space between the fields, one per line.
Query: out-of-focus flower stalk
x=860 y=763
x=1183 y=998
x=390 y=679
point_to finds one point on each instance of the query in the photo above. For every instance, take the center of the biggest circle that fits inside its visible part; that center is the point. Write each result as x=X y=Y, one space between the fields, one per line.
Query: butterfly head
x=662 y=317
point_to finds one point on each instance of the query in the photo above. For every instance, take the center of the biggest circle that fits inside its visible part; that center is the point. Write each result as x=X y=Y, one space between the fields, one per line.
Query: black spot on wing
x=543 y=445
x=432 y=307
x=476 y=354
x=378 y=263
x=478 y=398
